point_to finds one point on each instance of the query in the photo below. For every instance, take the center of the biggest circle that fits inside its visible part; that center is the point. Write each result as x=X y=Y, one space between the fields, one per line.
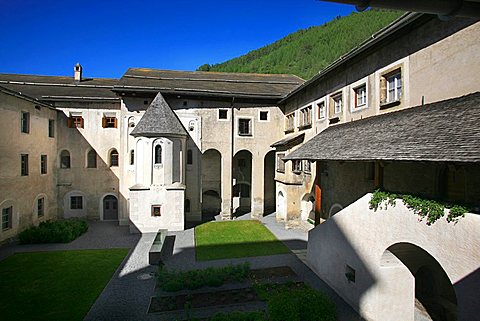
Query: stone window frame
x=249 y=134
x=25 y=122
x=305 y=117
x=40 y=206
x=297 y=166
x=76 y=202
x=63 y=159
x=317 y=109
x=401 y=67
x=362 y=83
x=7 y=218
x=307 y=166
x=113 y=158
x=90 y=161
x=51 y=128
x=43 y=164
x=156 y=210
x=290 y=122
x=24 y=171
x=279 y=162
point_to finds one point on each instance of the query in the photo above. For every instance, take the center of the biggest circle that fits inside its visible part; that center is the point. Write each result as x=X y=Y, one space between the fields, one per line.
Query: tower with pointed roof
x=157 y=198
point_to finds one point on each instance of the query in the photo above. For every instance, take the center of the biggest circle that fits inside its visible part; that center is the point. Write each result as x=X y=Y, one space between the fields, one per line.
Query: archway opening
x=110 y=208
x=435 y=297
x=269 y=183
x=242 y=183
x=281 y=213
x=307 y=207
x=211 y=184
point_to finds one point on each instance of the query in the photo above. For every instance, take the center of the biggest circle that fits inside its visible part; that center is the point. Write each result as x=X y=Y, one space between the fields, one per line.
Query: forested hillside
x=305 y=52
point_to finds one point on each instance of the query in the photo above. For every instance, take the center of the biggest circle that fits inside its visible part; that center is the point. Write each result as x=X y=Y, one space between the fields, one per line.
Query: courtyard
x=127 y=294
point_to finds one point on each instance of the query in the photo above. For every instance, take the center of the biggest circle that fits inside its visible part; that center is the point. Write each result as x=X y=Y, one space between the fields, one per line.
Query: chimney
x=78 y=72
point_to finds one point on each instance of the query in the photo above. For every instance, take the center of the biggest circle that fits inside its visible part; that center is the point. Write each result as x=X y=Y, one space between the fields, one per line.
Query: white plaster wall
x=358 y=236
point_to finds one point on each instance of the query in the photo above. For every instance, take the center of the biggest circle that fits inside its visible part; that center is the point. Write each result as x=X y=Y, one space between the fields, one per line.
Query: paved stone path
x=127 y=295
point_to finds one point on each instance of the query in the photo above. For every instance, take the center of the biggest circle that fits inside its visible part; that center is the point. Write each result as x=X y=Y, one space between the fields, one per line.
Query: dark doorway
x=110 y=208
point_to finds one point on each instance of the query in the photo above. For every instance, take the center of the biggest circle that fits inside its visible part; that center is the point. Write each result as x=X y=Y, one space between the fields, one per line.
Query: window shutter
x=81 y=122
x=104 y=122
x=383 y=90
x=115 y=123
x=70 y=122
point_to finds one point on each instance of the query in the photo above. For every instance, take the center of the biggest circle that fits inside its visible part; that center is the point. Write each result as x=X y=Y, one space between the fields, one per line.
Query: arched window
x=187 y=206
x=92 y=159
x=65 y=159
x=158 y=154
x=189 y=157
x=113 y=158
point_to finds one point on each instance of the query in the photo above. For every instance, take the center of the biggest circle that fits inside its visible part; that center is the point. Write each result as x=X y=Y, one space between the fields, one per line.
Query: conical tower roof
x=159 y=120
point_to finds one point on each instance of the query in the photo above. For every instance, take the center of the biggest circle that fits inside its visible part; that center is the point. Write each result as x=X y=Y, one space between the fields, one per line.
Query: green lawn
x=232 y=239
x=55 y=285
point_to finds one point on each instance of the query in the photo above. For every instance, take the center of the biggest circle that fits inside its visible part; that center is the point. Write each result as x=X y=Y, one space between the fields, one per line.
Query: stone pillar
x=226 y=188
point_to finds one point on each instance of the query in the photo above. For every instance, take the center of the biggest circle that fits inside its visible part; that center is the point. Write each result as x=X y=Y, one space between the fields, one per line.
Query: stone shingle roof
x=159 y=120
x=448 y=130
x=289 y=141
x=208 y=83
x=55 y=88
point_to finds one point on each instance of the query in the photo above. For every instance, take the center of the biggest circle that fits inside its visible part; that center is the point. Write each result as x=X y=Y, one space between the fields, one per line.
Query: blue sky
x=48 y=37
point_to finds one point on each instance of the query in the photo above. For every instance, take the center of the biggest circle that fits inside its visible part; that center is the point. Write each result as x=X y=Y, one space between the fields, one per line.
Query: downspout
x=232 y=150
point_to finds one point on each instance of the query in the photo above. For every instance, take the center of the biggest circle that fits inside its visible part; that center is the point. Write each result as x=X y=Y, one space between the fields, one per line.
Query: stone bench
x=156 y=252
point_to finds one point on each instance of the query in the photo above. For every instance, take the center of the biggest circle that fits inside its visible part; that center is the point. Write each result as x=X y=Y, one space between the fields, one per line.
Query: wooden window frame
x=7 y=212
x=75 y=122
x=245 y=127
x=51 y=128
x=25 y=122
x=24 y=164
x=74 y=204
x=156 y=210
x=41 y=206
x=109 y=122
x=43 y=164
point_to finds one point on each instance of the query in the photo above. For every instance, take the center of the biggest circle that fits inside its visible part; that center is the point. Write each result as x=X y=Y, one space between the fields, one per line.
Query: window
x=92 y=159
x=360 y=96
x=187 y=206
x=297 y=166
x=51 y=128
x=280 y=163
x=132 y=157
x=76 y=202
x=156 y=210
x=7 y=214
x=24 y=164
x=394 y=87
x=307 y=167
x=75 y=121
x=263 y=115
x=109 y=122
x=244 y=127
x=321 y=110
x=305 y=117
x=43 y=164
x=65 y=159
x=158 y=154
x=223 y=114
x=337 y=103
x=41 y=207
x=290 y=122
x=114 y=158
x=189 y=157
x=25 y=122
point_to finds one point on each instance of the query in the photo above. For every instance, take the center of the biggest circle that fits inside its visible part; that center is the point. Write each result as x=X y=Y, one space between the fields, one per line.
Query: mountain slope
x=307 y=51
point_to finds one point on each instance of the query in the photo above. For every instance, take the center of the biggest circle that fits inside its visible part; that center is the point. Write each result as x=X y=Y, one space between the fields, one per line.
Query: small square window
x=222 y=114
x=7 y=214
x=263 y=115
x=156 y=210
x=24 y=164
x=76 y=202
x=51 y=128
x=41 y=207
x=75 y=122
x=109 y=122
x=360 y=96
x=43 y=164
x=244 y=127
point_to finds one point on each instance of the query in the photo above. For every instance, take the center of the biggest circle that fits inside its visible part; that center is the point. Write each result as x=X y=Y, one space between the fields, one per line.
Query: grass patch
x=55 y=285
x=172 y=281
x=61 y=231
x=233 y=239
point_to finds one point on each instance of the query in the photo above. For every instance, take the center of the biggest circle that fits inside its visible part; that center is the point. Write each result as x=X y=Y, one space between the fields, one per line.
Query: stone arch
x=242 y=177
x=435 y=297
x=91 y=158
x=78 y=210
x=109 y=205
x=211 y=182
x=307 y=207
x=281 y=208
x=269 y=183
